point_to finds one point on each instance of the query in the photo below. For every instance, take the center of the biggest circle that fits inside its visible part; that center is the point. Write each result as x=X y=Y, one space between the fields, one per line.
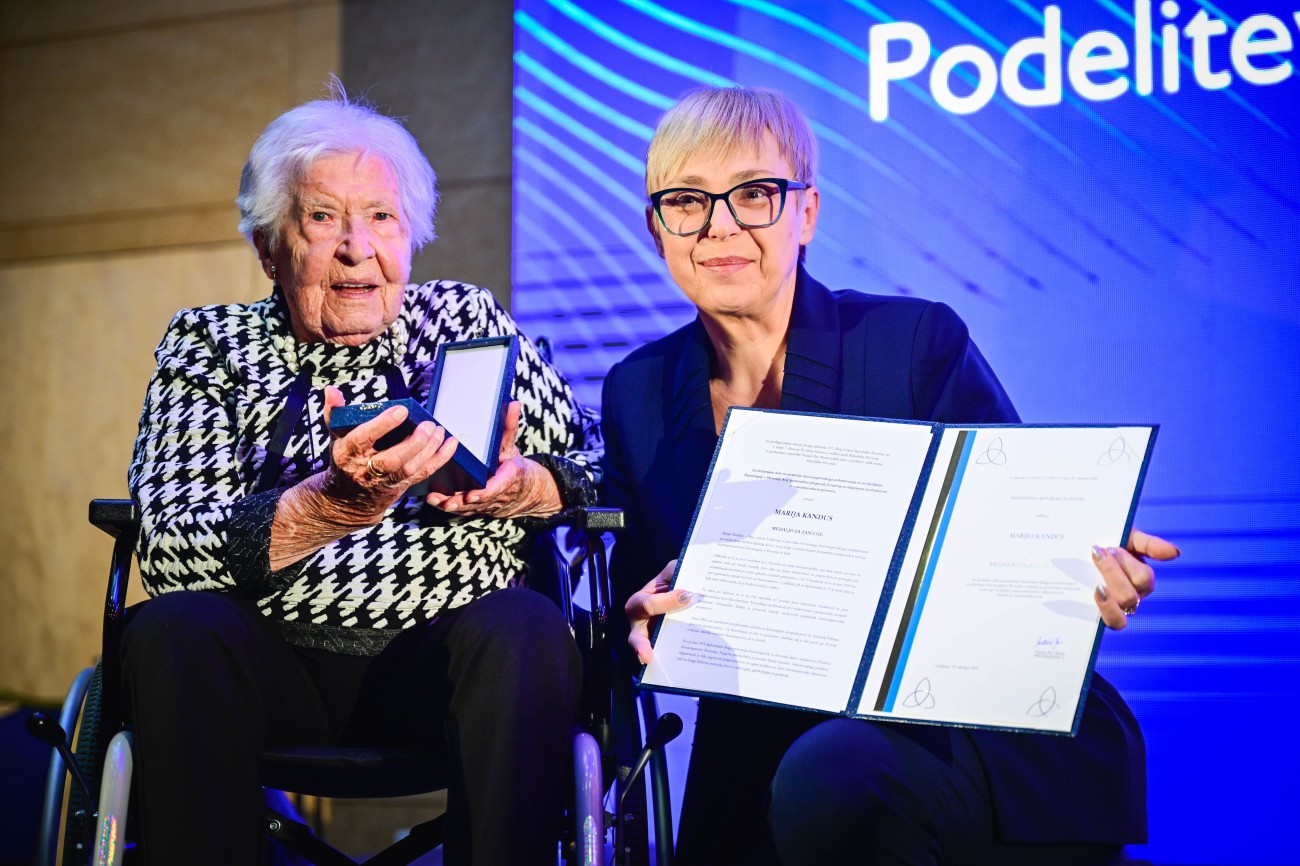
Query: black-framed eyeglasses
x=754 y=204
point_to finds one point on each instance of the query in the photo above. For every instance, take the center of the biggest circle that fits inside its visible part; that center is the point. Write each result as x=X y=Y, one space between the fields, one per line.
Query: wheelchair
x=96 y=828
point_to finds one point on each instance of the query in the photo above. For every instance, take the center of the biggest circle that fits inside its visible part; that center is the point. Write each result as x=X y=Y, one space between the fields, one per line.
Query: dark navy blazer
x=876 y=356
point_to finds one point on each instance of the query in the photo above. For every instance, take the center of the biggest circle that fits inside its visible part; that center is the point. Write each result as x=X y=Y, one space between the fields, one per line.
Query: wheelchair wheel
x=114 y=798
x=56 y=777
x=88 y=753
x=588 y=807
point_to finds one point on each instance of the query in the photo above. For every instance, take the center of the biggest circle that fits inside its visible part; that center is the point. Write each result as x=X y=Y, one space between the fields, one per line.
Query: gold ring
x=1129 y=611
x=370 y=468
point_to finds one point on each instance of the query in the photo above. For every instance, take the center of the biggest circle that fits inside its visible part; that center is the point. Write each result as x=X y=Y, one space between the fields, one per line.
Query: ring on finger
x=1132 y=609
x=372 y=469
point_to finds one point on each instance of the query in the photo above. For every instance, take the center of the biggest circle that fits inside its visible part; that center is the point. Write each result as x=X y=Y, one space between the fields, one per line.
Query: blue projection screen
x=1107 y=192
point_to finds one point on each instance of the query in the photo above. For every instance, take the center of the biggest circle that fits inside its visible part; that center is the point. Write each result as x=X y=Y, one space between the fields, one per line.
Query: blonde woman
x=731 y=177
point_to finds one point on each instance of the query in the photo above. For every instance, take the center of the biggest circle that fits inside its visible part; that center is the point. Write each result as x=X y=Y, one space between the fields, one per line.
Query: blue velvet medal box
x=468 y=397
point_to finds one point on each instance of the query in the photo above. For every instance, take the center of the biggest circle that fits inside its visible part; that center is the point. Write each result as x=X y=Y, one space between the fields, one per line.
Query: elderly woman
x=731 y=177
x=303 y=595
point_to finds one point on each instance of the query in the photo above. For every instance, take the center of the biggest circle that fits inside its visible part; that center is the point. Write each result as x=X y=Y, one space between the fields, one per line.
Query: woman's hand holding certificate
x=1126 y=577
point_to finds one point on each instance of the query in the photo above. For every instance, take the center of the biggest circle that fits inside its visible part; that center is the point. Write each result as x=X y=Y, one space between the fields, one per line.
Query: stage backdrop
x=1107 y=191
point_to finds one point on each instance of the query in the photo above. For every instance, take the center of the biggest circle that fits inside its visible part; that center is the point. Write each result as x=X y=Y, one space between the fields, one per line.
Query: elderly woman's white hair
x=286 y=149
x=718 y=121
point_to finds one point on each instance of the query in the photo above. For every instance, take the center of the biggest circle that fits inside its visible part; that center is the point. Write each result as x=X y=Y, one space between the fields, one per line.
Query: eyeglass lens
x=753 y=205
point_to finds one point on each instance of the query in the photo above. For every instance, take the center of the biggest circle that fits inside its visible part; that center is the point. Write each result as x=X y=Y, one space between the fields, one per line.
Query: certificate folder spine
x=925 y=571
x=895 y=568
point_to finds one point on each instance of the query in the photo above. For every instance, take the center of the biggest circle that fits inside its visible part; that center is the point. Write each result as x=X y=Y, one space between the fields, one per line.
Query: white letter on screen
x=1170 y=58
x=1142 y=47
x=1244 y=47
x=985 y=86
x=1201 y=28
x=1098 y=51
x=882 y=70
x=1049 y=47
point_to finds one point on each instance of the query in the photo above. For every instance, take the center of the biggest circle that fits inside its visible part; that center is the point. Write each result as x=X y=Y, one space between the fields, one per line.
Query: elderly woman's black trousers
x=491 y=687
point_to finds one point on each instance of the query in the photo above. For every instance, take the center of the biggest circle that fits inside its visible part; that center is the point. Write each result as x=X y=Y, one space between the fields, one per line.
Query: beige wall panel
x=446 y=67
x=140 y=135
x=318 y=48
x=121 y=232
x=76 y=348
x=473 y=242
x=453 y=81
x=37 y=19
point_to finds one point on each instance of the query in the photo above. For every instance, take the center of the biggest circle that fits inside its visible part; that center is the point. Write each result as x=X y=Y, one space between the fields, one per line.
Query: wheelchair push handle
x=51 y=733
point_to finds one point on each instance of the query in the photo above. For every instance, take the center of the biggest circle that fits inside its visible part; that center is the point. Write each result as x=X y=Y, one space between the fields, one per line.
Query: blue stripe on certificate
x=965 y=443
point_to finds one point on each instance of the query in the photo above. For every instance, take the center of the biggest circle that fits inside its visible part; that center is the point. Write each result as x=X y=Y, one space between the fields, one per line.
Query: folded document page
x=901 y=570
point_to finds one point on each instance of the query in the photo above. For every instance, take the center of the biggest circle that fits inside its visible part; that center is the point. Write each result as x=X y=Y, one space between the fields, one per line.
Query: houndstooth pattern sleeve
x=185 y=474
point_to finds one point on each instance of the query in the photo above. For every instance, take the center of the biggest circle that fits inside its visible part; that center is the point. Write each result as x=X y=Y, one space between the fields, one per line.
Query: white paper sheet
x=788 y=554
x=1002 y=623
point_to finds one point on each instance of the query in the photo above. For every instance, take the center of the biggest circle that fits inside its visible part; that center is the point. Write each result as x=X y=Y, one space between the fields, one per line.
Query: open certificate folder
x=901 y=570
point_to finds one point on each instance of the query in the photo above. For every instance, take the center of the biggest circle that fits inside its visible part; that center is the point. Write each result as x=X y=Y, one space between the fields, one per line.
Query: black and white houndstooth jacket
x=223 y=374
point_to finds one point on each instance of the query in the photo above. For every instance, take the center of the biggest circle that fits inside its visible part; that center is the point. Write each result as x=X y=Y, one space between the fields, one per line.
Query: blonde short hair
x=719 y=121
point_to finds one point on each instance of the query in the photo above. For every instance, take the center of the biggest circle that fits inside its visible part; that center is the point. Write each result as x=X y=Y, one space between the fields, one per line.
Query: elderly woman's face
x=345 y=251
x=727 y=270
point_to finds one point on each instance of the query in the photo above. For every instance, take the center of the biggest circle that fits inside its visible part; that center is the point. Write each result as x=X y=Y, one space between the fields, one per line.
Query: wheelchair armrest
x=594 y=522
x=588 y=517
x=120 y=519
x=114 y=516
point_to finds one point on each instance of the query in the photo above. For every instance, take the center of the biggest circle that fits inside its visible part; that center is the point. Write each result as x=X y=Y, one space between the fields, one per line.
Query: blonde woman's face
x=345 y=251
x=728 y=270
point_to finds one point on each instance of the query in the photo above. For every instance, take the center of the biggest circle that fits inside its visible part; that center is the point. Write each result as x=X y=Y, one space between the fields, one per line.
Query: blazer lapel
x=689 y=415
x=687 y=392
x=812 y=352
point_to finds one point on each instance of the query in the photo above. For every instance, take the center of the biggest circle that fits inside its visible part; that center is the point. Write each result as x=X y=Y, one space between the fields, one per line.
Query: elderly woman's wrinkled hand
x=519 y=488
x=653 y=599
x=362 y=483
x=1126 y=578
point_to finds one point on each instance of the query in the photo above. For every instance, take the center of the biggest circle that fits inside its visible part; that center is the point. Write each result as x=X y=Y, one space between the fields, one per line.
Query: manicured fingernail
x=1098 y=553
x=1102 y=592
x=1178 y=551
x=685 y=596
x=473 y=498
x=450 y=506
x=1112 y=551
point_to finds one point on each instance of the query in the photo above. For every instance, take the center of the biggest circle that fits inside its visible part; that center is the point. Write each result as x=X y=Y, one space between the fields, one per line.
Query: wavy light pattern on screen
x=1132 y=258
